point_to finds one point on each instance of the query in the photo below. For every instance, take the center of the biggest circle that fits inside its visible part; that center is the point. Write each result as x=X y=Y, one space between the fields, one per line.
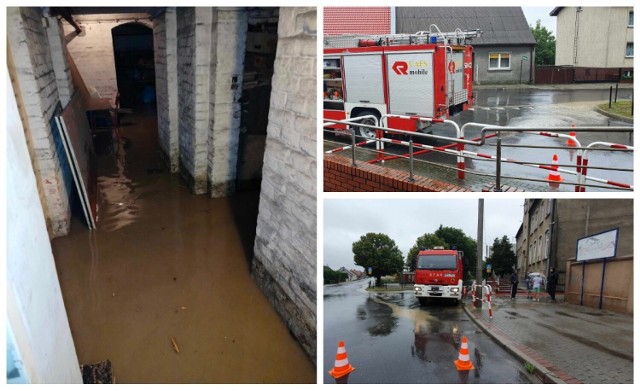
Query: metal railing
x=456 y=146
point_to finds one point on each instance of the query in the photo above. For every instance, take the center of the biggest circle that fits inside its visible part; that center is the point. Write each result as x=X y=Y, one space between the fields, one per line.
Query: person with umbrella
x=537 y=283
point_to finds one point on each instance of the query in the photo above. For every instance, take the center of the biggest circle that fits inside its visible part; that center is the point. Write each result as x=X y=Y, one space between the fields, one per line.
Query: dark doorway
x=260 y=54
x=135 y=73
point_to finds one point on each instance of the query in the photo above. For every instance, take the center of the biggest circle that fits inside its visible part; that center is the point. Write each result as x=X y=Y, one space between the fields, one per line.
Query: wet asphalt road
x=530 y=108
x=390 y=339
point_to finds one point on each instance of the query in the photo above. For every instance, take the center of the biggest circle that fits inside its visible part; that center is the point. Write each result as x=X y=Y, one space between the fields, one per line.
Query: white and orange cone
x=570 y=142
x=341 y=366
x=554 y=175
x=463 y=363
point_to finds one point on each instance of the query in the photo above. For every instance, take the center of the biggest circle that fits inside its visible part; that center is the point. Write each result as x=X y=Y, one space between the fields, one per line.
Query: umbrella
x=544 y=278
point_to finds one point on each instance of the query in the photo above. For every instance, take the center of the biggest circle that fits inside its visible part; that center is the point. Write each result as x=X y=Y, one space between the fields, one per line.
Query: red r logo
x=400 y=67
x=452 y=67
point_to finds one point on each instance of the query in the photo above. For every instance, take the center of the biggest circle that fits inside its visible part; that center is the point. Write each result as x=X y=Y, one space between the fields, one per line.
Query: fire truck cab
x=408 y=75
x=438 y=275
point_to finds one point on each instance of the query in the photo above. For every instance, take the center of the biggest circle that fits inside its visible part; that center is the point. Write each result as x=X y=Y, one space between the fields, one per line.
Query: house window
x=629 y=52
x=500 y=61
x=540 y=251
x=630 y=22
x=546 y=244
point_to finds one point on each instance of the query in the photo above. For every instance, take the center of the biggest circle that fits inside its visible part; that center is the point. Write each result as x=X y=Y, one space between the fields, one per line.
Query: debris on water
x=175 y=345
x=98 y=373
x=183 y=308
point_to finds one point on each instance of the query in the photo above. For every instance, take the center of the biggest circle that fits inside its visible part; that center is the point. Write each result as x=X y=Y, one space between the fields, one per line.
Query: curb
x=504 y=341
x=615 y=116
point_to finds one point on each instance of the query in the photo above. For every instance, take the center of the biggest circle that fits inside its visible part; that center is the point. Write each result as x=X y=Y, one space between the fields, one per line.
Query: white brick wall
x=194 y=40
x=35 y=83
x=92 y=50
x=35 y=310
x=166 y=63
x=60 y=63
x=285 y=249
x=227 y=62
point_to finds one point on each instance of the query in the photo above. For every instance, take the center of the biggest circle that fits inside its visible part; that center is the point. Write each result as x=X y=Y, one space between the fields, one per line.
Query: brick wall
x=92 y=50
x=60 y=63
x=166 y=69
x=284 y=263
x=194 y=32
x=340 y=175
x=227 y=64
x=34 y=80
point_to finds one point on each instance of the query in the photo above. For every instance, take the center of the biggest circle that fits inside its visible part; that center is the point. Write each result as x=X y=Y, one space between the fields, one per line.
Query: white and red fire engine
x=410 y=75
x=438 y=275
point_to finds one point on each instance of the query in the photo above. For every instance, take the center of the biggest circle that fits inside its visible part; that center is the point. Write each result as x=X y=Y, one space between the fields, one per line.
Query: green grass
x=622 y=107
x=529 y=367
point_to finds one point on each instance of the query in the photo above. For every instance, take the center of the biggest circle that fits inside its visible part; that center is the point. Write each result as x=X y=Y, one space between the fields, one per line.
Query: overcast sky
x=404 y=220
x=534 y=13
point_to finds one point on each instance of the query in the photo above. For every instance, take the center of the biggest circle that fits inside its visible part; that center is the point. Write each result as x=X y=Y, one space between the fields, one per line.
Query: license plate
x=435 y=288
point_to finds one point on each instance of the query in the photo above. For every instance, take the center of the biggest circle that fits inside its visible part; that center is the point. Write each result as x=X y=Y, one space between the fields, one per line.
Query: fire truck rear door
x=410 y=77
x=363 y=78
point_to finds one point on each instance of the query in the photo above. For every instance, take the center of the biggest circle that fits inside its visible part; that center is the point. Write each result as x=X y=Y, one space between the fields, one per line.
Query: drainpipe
x=528 y=237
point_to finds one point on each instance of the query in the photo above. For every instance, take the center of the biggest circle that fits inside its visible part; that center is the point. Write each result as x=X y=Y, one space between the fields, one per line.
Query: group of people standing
x=535 y=284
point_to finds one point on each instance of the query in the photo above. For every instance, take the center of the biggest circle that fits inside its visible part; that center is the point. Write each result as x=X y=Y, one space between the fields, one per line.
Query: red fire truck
x=438 y=275
x=412 y=75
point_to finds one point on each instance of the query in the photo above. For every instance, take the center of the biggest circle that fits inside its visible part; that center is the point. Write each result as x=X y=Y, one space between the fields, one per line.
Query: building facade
x=594 y=36
x=533 y=240
x=549 y=236
x=504 y=54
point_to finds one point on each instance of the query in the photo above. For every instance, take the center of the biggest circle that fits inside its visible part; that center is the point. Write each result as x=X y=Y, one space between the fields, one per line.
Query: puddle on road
x=165 y=264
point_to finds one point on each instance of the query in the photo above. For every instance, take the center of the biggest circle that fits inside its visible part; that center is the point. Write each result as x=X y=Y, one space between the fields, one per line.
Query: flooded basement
x=166 y=264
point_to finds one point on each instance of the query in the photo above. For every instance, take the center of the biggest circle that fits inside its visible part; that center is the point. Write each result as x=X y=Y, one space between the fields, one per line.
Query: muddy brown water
x=163 y=264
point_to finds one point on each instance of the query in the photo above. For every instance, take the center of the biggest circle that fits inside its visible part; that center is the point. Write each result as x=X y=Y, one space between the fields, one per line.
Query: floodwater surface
x=164 y=264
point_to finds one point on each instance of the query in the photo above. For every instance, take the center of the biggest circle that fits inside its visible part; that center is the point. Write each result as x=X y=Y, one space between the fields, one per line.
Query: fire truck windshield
x=437 y=262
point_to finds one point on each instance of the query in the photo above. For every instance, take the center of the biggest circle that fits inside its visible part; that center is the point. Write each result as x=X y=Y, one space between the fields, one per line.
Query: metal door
x=410 y=77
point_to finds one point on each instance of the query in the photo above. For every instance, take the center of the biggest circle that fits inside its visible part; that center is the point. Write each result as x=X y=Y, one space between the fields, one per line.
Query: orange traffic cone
x=570 y=142
x=554 y=175
x=341 y=366
x=463 y=363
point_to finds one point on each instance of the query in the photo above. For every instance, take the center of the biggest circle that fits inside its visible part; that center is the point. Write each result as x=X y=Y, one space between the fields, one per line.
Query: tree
x=455 y=237
x=424 y=241
x=379 y=252
x=502 y=258
x=333 y=276
x=545 y=45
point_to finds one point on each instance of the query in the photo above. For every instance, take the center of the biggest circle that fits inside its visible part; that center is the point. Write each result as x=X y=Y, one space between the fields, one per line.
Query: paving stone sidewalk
x=566 y=343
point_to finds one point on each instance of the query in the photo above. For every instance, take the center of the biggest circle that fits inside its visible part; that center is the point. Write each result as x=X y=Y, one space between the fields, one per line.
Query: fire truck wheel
x=367 y=132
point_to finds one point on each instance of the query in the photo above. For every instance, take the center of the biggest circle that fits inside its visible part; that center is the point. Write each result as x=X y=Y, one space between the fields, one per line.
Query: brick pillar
x=60 y=63
x=166 y=61
x=34 y=81
x=194 y=39
x=227 y=64
x=284 y=263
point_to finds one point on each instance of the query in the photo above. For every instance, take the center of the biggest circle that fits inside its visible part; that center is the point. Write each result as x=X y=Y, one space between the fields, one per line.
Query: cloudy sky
x=404 y=220
x=534 y=13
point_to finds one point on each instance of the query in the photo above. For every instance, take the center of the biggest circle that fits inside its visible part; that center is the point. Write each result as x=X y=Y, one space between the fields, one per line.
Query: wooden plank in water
x=78 y=137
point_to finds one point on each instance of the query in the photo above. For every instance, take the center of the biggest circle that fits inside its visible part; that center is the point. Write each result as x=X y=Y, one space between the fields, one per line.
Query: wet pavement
x=166 y=264
x=567 y=343
x=526 y=108
x=389 y=339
